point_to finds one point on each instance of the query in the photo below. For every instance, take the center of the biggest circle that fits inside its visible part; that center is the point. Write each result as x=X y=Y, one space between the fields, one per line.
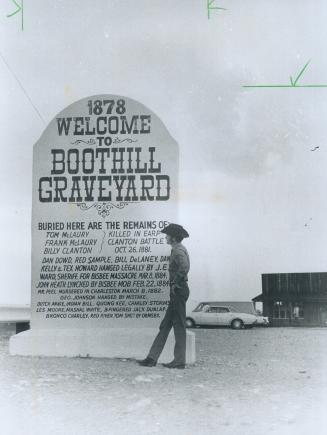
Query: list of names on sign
x=102 y=270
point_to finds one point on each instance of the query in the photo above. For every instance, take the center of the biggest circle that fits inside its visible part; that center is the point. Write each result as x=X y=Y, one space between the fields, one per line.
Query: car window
x=223 y=310
x=218 y=310
x=213 y=310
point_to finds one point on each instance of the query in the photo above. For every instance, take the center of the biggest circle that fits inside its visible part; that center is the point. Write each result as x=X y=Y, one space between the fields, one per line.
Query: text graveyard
x=143 y=186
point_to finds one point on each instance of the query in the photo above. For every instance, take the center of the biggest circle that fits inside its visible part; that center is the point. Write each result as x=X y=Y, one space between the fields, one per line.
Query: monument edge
x=126 y=343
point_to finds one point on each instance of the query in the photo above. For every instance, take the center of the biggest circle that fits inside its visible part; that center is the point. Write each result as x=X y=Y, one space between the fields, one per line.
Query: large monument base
x=96 y=342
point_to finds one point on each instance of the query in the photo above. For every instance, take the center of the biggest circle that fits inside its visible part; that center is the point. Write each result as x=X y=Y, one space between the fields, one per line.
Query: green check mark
x=298 y=77
x=294 y=83
x=210 y=7
x=20 y=8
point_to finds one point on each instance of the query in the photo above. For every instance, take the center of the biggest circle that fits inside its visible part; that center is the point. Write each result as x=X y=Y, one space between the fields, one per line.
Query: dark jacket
x=179 y=266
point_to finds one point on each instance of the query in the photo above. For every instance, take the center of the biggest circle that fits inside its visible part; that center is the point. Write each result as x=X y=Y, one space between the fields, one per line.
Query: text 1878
x=97 y=107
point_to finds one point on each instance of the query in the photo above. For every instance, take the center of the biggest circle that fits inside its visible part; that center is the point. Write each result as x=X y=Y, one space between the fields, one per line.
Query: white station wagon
x=208 y=314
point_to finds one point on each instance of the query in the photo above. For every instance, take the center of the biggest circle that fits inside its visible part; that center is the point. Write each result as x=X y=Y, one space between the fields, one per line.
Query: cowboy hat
x=175 y=230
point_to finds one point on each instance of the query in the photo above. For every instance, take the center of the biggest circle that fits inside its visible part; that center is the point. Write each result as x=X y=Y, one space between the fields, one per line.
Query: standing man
x=179 y=266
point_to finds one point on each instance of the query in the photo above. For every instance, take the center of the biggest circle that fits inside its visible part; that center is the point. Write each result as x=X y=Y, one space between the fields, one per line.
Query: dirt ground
x=249 y=382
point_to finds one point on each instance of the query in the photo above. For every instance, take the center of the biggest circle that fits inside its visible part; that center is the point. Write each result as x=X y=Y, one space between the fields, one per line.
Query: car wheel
x=189 y=323
x=237 y=324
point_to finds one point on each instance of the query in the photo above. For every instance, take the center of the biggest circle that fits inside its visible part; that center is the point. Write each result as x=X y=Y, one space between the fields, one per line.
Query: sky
x=252 y=160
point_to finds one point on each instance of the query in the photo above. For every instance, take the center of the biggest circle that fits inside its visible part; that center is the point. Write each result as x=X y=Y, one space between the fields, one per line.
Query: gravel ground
x=250 y=382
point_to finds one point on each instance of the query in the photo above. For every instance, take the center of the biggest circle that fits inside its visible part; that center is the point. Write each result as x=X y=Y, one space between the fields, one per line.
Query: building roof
x=294 y=285
x=15 y=313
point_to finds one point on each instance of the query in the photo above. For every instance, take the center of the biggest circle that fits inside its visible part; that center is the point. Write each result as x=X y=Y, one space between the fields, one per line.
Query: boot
x=147 y=362
x=174 y=365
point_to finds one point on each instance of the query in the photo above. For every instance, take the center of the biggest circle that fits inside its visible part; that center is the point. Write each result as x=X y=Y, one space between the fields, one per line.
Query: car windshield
x=199 y=307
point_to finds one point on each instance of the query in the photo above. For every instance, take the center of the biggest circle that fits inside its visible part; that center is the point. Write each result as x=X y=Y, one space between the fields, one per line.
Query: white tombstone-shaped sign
x=105 y=181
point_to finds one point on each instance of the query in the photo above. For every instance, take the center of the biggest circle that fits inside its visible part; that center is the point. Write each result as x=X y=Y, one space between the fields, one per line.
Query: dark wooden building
x=294 y=299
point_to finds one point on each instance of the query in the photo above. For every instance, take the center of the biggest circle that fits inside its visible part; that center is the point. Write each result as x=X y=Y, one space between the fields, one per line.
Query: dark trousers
x=174 y=318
